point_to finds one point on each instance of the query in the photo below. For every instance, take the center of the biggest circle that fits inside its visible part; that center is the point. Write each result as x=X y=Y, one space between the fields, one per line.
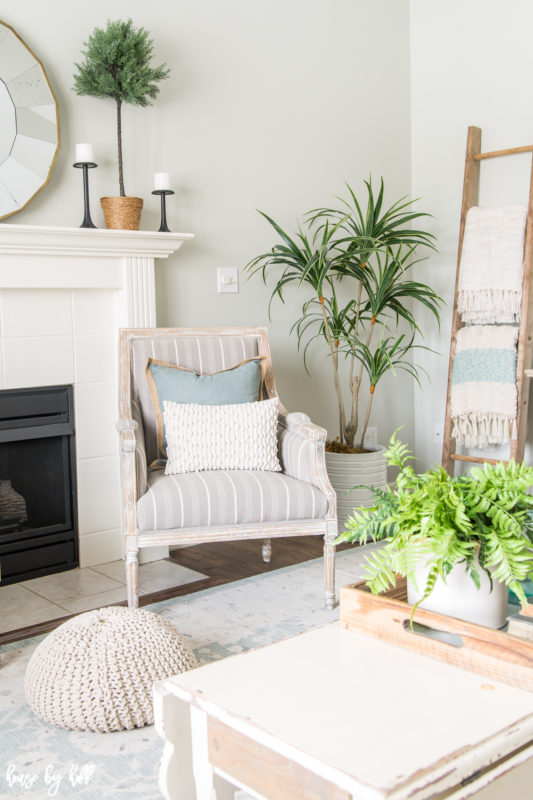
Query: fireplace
x=38 y=511
x=64 y=293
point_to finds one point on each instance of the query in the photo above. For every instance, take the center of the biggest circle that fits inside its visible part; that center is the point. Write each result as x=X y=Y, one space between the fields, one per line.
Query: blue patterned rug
x=38 y=761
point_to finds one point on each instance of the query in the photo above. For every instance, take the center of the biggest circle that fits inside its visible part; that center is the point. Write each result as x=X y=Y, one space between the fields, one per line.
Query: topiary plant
x=436 y=520
x=117 y=65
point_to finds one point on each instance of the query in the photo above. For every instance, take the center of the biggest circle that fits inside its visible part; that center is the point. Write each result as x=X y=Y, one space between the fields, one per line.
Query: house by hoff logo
x=51 y=779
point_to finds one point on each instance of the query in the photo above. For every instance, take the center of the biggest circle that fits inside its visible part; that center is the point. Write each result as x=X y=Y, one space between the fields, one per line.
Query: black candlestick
x=86 y=165
x=163 y=228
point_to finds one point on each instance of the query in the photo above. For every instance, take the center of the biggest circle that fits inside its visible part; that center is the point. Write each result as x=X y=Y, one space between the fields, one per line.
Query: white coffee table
x=336 y=715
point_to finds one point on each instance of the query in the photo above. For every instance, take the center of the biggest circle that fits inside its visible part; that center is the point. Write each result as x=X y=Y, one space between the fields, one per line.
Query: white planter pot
x=459 y=597
x=346 y=470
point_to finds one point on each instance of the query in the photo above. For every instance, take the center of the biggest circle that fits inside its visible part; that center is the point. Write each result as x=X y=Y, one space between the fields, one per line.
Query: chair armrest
x=132 y=456
x=126 y=424
x=128 y=441
x=299 y=423
x=302 y=448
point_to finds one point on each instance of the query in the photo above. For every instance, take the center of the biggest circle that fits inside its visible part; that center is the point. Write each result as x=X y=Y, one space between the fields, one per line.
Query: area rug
x=38 y=761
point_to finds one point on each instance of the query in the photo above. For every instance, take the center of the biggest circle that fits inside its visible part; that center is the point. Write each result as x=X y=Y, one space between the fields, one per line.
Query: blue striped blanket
x=483 y=394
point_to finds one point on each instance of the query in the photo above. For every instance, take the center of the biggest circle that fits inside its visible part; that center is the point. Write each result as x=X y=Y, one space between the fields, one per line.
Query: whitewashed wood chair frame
x=132 y=442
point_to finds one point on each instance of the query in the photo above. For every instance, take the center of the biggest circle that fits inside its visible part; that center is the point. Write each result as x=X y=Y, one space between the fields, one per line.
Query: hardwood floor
x=231 y=561
x=221 y=562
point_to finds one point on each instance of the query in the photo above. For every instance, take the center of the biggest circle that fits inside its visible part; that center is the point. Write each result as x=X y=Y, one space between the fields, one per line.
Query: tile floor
x=77 y=590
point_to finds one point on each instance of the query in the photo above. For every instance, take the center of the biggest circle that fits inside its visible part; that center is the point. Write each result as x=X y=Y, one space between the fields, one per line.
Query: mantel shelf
x=92 y=242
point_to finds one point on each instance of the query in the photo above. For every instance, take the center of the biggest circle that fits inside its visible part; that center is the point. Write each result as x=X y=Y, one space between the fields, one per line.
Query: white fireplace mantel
x=82 y=258
x=64 y=293
x=22 y=239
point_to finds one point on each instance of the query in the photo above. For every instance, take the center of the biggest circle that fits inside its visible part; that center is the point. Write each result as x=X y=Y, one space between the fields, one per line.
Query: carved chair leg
x=266 y=551
x=132 y=578
x=329 y=571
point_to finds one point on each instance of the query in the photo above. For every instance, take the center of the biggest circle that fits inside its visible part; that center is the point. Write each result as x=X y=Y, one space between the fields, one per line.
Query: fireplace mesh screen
x=33 y=475
x=38 y=507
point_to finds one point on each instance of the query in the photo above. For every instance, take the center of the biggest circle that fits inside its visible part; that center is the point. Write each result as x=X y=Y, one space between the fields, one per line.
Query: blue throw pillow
x=239 y=384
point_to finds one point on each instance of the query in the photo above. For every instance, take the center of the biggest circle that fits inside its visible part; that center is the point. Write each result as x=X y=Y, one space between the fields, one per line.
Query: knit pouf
x=96 y=671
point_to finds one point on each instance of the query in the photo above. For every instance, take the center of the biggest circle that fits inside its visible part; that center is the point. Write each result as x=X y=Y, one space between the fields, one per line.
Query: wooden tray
x=488 y=652
x=527 y=609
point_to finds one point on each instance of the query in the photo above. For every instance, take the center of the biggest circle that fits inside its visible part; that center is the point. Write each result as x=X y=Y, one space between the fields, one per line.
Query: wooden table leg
x=203 y=770
x=173 y=724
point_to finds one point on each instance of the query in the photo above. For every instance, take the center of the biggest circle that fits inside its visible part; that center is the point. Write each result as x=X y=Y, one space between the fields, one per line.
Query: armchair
x=187 y=508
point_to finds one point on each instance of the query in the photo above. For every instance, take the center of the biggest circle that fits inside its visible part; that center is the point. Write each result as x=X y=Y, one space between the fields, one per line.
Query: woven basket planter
x=346 y=470
x=122 y=213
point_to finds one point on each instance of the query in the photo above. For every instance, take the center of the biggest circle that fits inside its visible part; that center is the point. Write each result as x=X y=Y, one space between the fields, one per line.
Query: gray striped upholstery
x=141 y=467
x=226 y=497
x=203 y=354
x=297 y=456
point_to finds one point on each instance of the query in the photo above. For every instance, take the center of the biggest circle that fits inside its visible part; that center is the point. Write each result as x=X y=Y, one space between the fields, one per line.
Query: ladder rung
x=478 y=459
x=528 y=148
x=528 y=373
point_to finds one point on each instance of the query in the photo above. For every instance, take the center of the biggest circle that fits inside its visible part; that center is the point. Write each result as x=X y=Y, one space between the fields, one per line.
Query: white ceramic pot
x=459 y=597
x=346 y=470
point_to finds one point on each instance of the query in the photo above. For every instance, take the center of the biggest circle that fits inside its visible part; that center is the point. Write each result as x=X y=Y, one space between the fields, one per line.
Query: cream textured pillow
x=236 y=436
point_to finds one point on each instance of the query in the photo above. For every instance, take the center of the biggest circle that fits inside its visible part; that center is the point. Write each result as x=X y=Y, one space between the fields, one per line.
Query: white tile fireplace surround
x=64 y=293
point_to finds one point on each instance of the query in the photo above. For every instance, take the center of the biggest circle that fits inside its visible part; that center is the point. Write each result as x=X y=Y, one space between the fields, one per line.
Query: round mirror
x=29 y=124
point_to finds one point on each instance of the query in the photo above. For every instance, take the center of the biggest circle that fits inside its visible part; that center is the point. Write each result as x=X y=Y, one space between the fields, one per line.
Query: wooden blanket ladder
x=524 y=373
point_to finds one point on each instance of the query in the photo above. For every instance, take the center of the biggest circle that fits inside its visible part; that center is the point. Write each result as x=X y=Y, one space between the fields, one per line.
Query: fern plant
x=439 y=521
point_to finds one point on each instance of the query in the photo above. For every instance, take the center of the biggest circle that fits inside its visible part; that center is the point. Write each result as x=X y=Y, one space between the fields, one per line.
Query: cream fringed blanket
x=492 y=258
x=483 y=396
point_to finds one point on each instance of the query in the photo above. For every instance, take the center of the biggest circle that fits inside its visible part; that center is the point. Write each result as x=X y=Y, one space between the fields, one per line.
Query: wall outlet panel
x=227 y=280
x=438 y=432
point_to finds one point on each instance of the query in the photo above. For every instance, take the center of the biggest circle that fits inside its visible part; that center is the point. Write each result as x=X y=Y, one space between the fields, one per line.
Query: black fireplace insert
x=38 y=510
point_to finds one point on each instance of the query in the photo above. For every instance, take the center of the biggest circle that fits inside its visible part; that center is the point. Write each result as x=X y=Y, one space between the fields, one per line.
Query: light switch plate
x=227 y=280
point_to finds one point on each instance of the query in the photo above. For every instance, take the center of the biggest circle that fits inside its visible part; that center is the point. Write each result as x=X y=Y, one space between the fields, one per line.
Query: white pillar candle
x=84 y=153
x=161 y=180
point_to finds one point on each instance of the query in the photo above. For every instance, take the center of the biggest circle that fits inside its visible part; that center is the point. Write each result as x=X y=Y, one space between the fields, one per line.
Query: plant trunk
x=355 y=383
x=119 y=142
x=342 y=416
x=351 y=427
x=358 y=307
x=342 y=422
x=355 y=386
x=368 y=340
x=367 y=417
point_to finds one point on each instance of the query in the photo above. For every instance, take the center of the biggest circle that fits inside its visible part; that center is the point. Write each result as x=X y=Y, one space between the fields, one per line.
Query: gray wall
x=270 y=105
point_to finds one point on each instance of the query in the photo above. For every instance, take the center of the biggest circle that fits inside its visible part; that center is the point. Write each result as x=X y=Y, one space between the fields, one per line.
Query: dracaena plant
x=484 y=520
x=371 y=251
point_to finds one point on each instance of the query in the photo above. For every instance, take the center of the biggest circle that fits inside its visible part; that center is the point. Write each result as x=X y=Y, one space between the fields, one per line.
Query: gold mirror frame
x=29 y=120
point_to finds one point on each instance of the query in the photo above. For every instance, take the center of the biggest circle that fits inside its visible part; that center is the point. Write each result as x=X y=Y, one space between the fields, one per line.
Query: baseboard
x=148 y=554
x=100 y=548
x=104 y=546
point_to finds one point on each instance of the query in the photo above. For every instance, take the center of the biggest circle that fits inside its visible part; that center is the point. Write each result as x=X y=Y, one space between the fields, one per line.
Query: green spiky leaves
x=436 y=520
x=370 y=252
